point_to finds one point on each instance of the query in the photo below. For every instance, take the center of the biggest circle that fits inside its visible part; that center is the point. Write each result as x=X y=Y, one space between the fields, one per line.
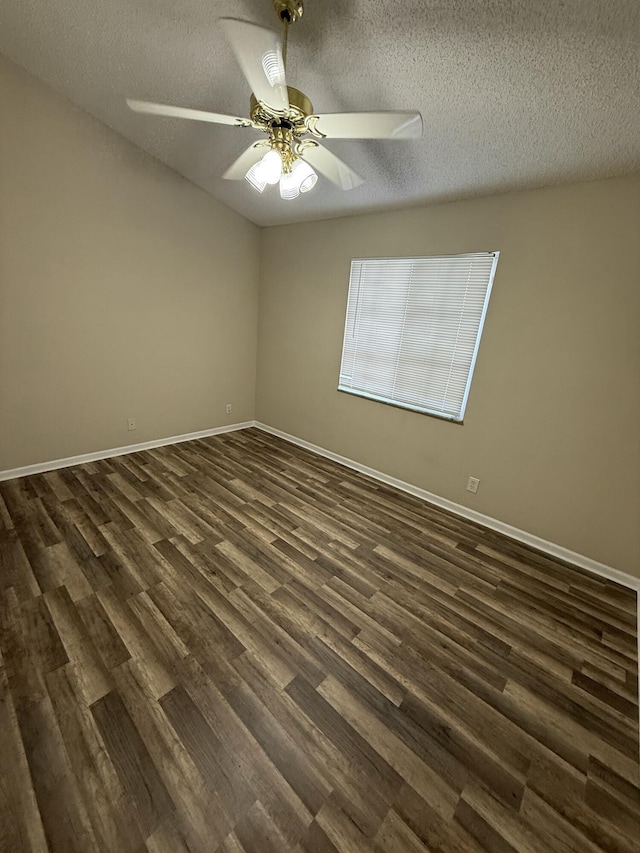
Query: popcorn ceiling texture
x=513 y=94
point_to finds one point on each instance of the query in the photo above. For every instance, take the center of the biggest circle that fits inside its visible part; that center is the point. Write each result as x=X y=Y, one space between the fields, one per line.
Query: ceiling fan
x=291 y=152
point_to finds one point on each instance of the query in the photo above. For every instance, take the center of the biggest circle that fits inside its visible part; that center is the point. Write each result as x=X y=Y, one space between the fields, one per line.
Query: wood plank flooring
x=233 y=645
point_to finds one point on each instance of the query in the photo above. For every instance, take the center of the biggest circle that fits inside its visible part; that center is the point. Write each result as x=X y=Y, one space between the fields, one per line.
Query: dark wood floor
x=234 y=645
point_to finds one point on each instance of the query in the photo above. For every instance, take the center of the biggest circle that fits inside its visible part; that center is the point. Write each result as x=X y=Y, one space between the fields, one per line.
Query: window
x=413 y=328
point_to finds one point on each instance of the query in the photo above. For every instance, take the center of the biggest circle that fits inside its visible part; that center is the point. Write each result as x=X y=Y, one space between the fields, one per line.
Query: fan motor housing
x=299 y=108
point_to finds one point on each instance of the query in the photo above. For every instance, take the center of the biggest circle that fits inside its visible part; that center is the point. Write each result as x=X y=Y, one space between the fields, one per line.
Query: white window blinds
x=413 y=328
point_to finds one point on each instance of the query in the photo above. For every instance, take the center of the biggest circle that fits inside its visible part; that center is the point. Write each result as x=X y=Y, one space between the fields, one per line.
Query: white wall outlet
x=472 y=484
x=131 y=424
x=227 y=408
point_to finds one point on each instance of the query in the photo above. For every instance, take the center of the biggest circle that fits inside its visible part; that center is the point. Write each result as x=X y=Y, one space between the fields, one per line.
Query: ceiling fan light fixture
x=305 y=176
x=252 y=178
x=269 y=169
x=300 y=179
x=286 y=116
x=289 y=186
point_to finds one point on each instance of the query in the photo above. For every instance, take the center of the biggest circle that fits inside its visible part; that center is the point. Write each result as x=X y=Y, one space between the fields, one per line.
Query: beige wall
x=552 y=427
x=125 y=291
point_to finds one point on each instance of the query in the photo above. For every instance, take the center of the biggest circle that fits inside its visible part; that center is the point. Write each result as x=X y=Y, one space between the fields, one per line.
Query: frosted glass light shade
x=300 y=179
x=269 y=168
x=254 y=180
x=305 y=176
x=289 y=187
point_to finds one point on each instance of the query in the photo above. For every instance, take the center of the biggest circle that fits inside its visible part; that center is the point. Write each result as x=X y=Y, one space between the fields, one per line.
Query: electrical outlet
x=228 y=408
x=131 y=424
x=472 y=484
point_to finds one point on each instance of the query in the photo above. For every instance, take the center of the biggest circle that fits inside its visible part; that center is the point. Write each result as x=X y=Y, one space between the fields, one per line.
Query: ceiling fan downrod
x=288 y=11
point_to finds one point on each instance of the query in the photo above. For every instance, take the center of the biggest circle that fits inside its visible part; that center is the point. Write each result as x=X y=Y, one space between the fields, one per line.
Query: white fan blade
x=259 y=54
x=389 y=125
x=249 y=157
x=185 y=112
x=331 y=167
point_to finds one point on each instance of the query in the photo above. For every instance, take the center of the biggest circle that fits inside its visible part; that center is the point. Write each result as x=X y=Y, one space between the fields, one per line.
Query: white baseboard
x=41 y=467
x=536 y=542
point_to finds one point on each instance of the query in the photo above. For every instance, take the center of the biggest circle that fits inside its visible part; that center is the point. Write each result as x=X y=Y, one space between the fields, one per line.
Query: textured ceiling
x=513 y=94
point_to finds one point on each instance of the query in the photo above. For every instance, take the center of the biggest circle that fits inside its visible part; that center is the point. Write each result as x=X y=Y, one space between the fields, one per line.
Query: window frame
x=408 y=406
